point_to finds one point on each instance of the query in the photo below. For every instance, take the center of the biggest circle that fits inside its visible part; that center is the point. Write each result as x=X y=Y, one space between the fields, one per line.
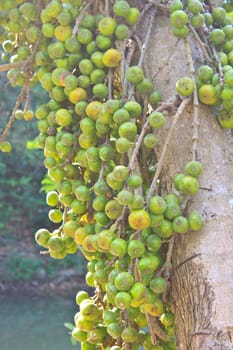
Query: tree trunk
x=202 y=277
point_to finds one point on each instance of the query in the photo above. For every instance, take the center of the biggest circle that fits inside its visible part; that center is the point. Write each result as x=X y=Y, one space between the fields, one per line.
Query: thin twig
x=138 y=40
x=138 y=144
x=221 y=74
x=153 y=325
x=136 y=272
x=186 y=260
x=140 y=138
x=212 y=49
x=204 y=36
x=145 y=109
x=121 y=218
x=153 y=336
x=96 y=6
x=44 y=252
x=12 y=117
x=107 y=10
x=210 y=4
x=179 y=112
x=110 y=81
x=80 y=16
x=27 y=99
x=145 y=44
x=136 y=234
x=8 y=66
x=125 y=84
x=101 y=173
x=166 y=268
x=132 y=266
x=125 y=321
x=60 y=229
x=65 y=217
x=195 y=99
x=130 y=49
x=158 y=331
x=123 y=66
x=128 y=346
x=165 y=271
x=146 y=8
x=127 y=52
x=101 y=6
x=72 y=152
x=200 y=42
x=111 y=262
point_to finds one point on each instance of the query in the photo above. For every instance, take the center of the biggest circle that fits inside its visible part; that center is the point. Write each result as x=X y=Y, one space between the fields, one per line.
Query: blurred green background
x=37 y=293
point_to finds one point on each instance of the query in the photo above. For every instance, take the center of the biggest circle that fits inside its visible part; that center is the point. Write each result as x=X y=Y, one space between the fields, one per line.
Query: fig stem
x=200 y=42
x=27 y=98
x=176 y=117
x=140 y=139
x=73 y=151
x=151 y=327
x=138 y=144
x=80 y=16
x=158 y=331
x=166 y=269
x=8 y=66
x=145 y=44
x=107 y=10
x=10 y=122
x=211 y=5
x=221 y=74
x=195 y=99
x=214 y=52
x=110 y=80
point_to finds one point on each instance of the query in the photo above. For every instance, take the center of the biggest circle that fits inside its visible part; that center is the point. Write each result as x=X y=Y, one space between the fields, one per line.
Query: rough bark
x=202 y=282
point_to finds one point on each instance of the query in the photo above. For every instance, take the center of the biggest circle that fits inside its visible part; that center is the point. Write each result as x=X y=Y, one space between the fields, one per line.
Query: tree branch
x=80 y=16
x=200 y=42
x=8 y=66
x=12 y=117
x=195 y=98
x=221 y=74
x=110 y=82
x=179 y=112
x=145 y=44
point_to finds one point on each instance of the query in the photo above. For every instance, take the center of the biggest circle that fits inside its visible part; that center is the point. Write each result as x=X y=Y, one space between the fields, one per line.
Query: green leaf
x=73 y=341
x=69 y=325
x=47 y=185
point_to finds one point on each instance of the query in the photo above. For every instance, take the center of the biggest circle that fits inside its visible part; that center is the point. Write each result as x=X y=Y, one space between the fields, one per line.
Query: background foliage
x=22 y=198
x=21 y=205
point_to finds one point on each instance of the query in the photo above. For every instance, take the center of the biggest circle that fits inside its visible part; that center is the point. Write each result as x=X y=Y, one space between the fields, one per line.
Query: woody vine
x=99 y=136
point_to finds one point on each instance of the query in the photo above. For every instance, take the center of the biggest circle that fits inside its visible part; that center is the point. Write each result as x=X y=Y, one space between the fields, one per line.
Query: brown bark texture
x=202 y=276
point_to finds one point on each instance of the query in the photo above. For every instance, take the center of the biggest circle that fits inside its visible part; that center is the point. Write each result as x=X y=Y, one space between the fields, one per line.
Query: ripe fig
x=139 y=219
x=207 y=94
